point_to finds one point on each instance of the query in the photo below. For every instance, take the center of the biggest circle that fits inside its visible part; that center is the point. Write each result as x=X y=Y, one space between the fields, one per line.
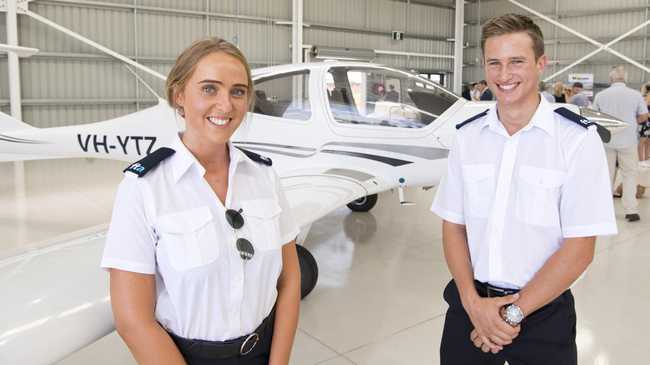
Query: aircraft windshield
x=284 y=96
x=384 y=98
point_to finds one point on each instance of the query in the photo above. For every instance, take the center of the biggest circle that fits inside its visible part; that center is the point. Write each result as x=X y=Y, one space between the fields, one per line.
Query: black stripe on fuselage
x=276 y=145
x=383 y=159
x=387 y=160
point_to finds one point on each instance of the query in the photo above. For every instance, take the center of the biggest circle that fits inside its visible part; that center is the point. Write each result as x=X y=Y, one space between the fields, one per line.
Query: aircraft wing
x=54 y=301
x=56 y=298
x=312 y=196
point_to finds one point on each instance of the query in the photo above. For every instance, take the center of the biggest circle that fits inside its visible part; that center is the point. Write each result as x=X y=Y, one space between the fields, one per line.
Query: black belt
x=487 y=290
x=240 y=346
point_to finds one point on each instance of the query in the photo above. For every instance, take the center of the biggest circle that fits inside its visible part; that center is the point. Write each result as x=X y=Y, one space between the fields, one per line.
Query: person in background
x=476 y=92
x=545 y=94
x=644 y=129
x=558 y=92
x=568 y=93
x=392 y=95
x=486 y=93
x=628 y=105
x=578 y=97
x=467 y=91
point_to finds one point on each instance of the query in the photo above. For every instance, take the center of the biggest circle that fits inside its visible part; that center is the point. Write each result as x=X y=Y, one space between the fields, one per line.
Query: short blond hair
x=513 y=23
x=190 y=57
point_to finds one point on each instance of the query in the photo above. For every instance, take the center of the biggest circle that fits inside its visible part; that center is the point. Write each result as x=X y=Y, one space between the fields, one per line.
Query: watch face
x=514 y=314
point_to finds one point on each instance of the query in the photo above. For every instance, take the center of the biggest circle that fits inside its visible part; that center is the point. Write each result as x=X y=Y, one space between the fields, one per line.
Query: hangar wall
x=68 y=82
x=600 y=20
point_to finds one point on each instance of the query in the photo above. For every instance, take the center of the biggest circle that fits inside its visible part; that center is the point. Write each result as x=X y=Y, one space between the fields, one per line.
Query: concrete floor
x=379 y=296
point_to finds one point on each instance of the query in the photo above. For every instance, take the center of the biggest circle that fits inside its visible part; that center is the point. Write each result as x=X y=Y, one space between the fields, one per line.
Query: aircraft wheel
x=363 y=204
x=308 y=271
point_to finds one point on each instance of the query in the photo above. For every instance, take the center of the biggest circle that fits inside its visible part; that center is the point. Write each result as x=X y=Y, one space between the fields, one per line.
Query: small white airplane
x=333 y=136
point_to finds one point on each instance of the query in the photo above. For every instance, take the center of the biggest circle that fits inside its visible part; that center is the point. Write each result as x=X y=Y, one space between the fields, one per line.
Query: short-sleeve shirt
x=520 y=196
x=625 y=104
x=171 y=224
x=580 y=99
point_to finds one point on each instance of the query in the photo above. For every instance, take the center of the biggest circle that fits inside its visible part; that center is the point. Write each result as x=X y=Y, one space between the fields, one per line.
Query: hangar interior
x=379 y=295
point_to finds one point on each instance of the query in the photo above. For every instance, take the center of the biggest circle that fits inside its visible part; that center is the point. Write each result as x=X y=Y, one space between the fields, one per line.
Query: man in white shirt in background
x=628 y=105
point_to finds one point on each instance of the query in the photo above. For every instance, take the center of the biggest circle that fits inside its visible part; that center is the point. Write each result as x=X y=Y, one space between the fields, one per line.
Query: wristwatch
x=512 y=314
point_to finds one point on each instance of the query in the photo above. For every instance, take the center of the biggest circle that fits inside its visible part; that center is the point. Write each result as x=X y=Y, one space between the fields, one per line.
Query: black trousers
x=547 y=336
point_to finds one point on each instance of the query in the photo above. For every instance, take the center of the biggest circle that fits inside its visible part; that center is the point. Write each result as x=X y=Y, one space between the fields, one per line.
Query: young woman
x=201 y=252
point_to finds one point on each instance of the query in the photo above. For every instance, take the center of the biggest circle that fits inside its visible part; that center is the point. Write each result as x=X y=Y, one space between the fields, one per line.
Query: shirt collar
x=543 y=118
x=183 y=160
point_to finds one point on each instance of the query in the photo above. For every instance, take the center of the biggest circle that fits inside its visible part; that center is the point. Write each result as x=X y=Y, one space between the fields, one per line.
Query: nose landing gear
x=363 y=204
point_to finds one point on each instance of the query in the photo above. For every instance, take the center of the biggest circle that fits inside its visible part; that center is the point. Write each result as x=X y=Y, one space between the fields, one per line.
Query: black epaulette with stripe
x=477 y=116
x=257 y=157
x=604 y=133
x=148 y=163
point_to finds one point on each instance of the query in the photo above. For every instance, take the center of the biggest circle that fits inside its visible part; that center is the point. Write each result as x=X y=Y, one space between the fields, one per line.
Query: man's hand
x=491 y=332
x=476 y=339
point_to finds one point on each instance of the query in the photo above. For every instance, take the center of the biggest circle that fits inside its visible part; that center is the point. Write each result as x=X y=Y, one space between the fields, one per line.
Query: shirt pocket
x=479 y=189
x=263 y=219
x=538 y=196
x=189 y=238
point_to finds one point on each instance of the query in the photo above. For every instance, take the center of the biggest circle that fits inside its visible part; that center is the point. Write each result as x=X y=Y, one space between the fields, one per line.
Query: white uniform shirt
x=170 y=223
x=519 y=196
x=625 y=104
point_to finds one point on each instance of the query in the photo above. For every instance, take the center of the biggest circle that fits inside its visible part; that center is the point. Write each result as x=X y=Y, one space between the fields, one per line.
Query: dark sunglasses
x=244 y=246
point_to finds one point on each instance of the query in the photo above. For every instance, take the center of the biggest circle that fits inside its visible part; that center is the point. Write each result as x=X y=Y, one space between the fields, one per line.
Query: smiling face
x=511 y=69
x=215 y=98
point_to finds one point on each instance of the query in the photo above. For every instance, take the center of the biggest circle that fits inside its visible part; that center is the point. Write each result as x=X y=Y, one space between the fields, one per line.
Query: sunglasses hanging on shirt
x=244 y=246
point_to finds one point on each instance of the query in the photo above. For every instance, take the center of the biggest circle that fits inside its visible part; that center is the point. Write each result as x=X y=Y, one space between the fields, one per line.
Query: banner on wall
x=587 y=81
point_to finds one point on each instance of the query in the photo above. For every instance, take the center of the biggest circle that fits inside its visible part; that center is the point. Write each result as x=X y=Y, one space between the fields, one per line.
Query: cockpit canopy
x=355 y=95
x=381 y=97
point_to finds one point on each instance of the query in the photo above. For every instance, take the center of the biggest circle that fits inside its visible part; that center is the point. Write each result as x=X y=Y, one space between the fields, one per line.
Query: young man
x=486 y=94
x=525 y=194
x=579 y=98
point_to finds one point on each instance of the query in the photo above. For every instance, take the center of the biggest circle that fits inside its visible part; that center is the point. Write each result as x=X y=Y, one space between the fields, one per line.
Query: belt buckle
x=252 y=337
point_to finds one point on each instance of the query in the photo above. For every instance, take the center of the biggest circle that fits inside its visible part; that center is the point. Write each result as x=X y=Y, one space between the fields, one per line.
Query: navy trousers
x=547 y=336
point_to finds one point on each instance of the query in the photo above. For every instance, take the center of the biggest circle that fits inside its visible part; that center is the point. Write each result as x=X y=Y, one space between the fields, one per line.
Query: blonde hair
x=558 y=88
x=513 y=23
x=190 y=57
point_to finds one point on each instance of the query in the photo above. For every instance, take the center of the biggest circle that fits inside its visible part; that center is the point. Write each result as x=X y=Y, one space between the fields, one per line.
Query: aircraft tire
x=308 y=271
x=363 y=204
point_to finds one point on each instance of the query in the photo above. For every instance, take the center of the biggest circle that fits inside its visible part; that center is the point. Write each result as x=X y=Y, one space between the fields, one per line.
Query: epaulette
x=148 y=163
x=257 y=157
x=604 y=133
x=477 y=116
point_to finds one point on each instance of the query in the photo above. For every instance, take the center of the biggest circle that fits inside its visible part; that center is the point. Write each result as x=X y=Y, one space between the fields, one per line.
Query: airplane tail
x=9 y=123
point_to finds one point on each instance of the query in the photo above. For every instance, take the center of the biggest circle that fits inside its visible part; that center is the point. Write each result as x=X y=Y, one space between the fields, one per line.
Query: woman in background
x=558 y=92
